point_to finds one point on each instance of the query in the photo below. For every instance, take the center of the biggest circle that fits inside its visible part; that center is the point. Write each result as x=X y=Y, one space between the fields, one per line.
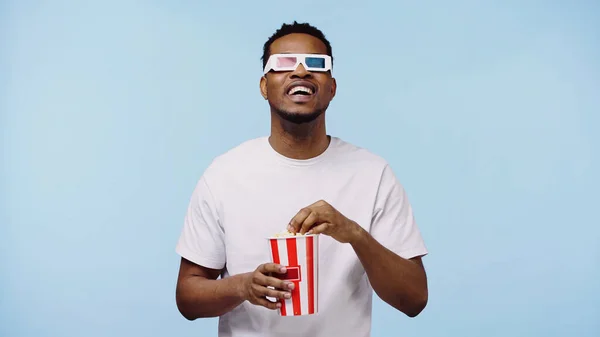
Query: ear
x=333 y=87
x=263 y=87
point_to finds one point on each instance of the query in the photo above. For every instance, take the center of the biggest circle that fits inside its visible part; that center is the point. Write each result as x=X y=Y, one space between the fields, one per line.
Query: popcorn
x=285 y=233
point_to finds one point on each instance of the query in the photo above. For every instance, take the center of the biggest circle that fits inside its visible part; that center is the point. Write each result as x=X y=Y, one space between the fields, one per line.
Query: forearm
x=399 y=282
x=199 y=297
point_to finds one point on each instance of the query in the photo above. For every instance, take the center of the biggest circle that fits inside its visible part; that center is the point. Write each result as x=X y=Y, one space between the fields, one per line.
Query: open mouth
x=301 y=91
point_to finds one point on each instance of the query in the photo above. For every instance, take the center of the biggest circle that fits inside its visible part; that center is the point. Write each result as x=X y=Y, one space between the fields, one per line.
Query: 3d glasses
x=289 y=62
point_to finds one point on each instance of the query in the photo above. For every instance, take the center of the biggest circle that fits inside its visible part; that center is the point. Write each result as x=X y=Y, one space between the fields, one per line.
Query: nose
x=300 y=72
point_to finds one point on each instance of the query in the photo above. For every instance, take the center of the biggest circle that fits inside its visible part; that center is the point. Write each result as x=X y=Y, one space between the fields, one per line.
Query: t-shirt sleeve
x=202 y=237
x=393 y=224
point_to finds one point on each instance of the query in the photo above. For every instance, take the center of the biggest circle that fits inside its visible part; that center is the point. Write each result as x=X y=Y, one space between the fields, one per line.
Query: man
x=302 y=179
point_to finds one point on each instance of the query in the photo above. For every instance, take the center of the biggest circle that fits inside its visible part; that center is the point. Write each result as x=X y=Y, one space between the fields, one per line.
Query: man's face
x=277 y=87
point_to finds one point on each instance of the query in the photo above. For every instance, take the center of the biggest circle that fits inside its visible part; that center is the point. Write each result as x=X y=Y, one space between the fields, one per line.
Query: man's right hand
x=255 y=286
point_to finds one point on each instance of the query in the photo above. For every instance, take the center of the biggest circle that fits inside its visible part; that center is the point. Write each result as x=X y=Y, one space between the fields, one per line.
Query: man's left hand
x=322 y=218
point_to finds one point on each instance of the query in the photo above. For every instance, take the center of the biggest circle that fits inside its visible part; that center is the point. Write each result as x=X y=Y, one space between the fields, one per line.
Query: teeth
x=299 y=89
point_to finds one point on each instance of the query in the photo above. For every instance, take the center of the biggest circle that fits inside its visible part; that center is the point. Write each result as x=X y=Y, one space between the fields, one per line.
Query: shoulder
x=364 y=162
x=348 y=153
x=238 y=157
x=245 y=151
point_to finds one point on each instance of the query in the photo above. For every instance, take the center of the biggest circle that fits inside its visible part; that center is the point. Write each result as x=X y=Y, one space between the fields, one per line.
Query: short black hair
x=301 y=28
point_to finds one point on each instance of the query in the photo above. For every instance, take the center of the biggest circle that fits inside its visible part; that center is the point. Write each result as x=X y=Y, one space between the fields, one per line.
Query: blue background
x=488 y=113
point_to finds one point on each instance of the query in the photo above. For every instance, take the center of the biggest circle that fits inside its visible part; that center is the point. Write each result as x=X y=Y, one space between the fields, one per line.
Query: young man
x=302 y=179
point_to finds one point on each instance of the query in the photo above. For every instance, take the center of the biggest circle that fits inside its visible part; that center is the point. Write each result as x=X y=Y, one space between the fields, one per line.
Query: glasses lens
x=315 y=62
x=286 y=61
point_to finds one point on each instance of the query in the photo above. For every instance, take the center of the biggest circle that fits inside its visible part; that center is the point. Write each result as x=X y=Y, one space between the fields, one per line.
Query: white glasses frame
x=300 y=59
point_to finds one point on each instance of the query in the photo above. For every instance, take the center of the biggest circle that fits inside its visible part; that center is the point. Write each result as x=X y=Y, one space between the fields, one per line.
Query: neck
x=298 y=141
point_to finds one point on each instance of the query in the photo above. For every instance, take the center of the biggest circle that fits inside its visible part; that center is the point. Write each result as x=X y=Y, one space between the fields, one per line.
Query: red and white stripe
x=301 y=251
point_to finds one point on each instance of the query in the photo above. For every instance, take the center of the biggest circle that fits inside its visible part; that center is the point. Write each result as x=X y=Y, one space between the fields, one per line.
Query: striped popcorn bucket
x=300 y=255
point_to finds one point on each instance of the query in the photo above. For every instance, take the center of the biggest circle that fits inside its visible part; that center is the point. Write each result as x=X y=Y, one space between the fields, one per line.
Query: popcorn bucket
x=300 y=255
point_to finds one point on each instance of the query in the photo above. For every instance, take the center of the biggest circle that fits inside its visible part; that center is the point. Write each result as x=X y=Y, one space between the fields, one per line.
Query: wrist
x=240 y=286
x=359 y=235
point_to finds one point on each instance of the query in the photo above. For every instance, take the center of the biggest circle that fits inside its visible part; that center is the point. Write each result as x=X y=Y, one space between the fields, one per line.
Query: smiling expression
x=298 y=96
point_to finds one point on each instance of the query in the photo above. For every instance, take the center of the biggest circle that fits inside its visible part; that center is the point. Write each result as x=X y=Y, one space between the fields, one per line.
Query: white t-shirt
x=252 y=192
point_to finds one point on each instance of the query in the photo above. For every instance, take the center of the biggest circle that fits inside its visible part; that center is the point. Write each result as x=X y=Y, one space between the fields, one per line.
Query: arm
x=199 y=294
x=390 y=252
x=399 y=282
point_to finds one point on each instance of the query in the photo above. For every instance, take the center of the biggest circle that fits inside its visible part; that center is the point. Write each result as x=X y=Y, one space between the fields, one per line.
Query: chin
x=299 y=117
